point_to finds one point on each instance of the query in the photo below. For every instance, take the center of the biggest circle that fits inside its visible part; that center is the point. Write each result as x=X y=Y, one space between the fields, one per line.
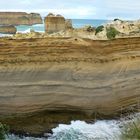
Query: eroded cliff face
x=8 y=29
x=47 y=81
x=19 y=18
x=56 y=23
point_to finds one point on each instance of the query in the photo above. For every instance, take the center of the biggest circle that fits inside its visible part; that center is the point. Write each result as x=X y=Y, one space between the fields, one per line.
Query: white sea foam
x=13 y=137
x=5 y=35
x=79 y=130
x=28 y=31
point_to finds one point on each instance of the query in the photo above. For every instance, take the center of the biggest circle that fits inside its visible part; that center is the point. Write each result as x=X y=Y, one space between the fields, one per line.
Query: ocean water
x=80 y=130
x=77 y=130
x=77 y=23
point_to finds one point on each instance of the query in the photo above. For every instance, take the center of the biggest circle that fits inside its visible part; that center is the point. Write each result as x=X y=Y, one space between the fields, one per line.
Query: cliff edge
x=19 y=18
x=48 y=81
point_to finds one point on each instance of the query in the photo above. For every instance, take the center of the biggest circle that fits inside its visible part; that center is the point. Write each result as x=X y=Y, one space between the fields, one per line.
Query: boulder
x=8 y=29
x=19 y=18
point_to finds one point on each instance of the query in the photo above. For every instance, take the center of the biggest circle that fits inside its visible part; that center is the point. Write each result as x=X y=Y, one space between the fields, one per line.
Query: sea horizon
x=77 y=23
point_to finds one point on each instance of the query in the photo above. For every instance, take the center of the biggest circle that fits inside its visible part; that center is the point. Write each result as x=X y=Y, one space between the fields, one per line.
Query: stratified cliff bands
x=47 y=81
x=8 y=29
x=19 y=18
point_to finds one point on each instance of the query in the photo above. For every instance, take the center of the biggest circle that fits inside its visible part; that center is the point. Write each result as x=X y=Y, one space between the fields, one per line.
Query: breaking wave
x=80 y=130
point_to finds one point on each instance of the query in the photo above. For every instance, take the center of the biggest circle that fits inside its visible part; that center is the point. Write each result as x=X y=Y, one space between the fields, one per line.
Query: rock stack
x=56 y=23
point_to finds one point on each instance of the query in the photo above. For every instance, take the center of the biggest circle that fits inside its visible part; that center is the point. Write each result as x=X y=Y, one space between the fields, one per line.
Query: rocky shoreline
x=52 y=80
x=58 y=26
x=112 y=30
x=9 y=21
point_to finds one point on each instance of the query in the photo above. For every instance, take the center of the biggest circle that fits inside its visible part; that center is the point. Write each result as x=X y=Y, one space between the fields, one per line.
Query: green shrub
x=99 y=29
x=90 y=29
x=131 y=131
x=4 y=129
x=111 y=33
x=116 y=19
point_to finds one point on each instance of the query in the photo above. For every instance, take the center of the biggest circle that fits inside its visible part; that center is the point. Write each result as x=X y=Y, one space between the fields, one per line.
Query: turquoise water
x=77 y=23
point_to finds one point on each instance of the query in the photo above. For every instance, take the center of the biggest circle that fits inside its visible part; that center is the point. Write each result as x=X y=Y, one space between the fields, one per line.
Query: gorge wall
x=43 y=80
x=19 y=18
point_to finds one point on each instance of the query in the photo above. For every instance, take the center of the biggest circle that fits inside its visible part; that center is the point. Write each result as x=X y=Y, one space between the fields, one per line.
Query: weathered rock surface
x=19 y=18
x=56 y=23
x=68 y=24
x=126 y=28
x=8 y=29
x=48 y=81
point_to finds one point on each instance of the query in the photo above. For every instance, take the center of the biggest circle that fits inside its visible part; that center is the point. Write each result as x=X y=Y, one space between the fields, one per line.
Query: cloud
x=126 y=9
x=81 y=12
x=77 y=8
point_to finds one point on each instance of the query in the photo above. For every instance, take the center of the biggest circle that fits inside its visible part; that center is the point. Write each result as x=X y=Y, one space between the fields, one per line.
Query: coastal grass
x=131 y=129
x=4 y=129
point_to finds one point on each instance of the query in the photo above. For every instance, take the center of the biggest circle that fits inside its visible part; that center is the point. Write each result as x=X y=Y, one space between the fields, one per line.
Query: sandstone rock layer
x=19 y=18
x=56 y=23
x=8 y=29
x=56 y=76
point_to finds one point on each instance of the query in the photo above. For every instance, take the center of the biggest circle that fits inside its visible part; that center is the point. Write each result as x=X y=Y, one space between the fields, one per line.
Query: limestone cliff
x=47 y=81
x=19 y=18
x=8 y=29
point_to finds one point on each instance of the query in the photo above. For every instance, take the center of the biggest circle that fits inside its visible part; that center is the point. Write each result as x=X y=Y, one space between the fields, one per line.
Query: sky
x=81 y=9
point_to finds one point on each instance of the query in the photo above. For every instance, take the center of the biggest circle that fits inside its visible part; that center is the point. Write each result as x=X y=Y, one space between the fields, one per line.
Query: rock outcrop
x=48 y=81
x=56 y=23
x=8 y=29
x=126 y=28
x=19 y=18
x=68 y=24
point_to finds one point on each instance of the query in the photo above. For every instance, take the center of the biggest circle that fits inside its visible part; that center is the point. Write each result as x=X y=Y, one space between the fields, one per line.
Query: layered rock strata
x=19 y=18
x=8 y=29
x=56 y=23
x=48 y=81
